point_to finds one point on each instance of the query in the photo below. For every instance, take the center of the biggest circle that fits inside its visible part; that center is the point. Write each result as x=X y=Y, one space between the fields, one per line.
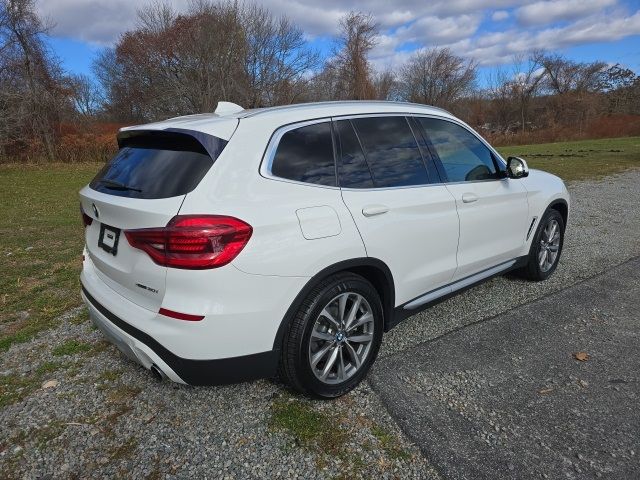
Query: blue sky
x=492 y=32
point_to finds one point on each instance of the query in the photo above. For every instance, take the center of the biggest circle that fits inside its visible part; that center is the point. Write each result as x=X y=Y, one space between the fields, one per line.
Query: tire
x=537 y=269
x=318 y=331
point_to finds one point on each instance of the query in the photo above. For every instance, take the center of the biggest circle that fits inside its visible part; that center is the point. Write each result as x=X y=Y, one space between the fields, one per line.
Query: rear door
x=143 y=186
x=493 y=210
x=405 y=216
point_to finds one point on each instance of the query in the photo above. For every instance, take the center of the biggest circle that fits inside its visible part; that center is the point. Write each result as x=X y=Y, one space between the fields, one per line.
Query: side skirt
x=429 y=299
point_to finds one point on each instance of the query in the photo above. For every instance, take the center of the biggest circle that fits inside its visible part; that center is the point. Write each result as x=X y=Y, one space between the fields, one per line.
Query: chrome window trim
x=349 y=189
x=437 y=184
x=274 y=141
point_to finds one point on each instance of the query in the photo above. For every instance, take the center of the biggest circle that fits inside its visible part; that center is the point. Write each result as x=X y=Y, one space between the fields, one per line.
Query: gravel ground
x=603 y=231
x=108 y=417
x=555 y=395
x=101 y=415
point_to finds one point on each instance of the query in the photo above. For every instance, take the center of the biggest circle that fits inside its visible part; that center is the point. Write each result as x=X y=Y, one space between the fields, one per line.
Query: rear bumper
x=145 y=350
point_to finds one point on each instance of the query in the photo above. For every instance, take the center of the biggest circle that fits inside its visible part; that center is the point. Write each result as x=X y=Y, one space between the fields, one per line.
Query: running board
x=459 y=285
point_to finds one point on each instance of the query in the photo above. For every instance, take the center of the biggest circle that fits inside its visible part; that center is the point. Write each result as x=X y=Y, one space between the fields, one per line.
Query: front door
x=493 y=210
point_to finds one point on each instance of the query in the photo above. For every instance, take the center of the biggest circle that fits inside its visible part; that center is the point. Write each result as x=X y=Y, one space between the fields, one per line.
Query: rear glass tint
x=154 y=166
x=354 y=171
x=391 y=151
x=305 y=154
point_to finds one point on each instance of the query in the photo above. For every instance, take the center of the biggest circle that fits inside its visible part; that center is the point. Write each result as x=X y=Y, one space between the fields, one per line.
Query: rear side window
x=305 y=154
x=353 y=169
x=418 y=132
x=155 y=166
x=391 y=151
x=464 y=157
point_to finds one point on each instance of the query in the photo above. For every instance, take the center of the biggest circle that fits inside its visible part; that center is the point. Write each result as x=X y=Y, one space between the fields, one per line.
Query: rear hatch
x=143 y=186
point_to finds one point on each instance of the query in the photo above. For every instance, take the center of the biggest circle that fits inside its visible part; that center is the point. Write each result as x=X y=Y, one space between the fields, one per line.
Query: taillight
x=193 y=241
x=86 y=219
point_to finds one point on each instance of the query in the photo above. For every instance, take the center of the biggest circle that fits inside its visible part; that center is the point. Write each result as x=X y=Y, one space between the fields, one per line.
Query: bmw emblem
x=340 y=337
x=95 y=210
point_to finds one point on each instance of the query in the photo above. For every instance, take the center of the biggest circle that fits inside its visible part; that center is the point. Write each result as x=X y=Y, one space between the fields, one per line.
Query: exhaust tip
x=157 y=373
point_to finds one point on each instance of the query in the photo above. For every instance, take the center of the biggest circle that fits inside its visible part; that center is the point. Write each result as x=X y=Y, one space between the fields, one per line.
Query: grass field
x=41 y=234
x=580 y=160
x=40 y=246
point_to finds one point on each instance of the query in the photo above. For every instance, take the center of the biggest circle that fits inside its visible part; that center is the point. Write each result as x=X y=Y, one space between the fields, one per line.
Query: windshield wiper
x=115 y=185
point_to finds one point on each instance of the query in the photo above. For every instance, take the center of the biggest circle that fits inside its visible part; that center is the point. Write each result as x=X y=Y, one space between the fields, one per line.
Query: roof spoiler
x=210 y=144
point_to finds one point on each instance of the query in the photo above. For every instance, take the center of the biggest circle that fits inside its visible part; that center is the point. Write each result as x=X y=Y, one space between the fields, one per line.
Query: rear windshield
x=155 y=165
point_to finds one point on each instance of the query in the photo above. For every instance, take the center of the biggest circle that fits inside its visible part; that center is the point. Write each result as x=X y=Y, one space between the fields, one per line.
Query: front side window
x=391 y=151
x=305 y=154
x=464 y=157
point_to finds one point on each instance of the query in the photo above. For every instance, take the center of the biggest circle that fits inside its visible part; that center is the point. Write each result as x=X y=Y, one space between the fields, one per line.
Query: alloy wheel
x=341 y=338
x=549 y=245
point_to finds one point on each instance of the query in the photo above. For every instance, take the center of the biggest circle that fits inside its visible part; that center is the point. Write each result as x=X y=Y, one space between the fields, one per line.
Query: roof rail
x=260 y=111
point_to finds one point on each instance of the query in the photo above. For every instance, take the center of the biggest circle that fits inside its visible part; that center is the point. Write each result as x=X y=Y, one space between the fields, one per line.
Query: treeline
x=174 y=64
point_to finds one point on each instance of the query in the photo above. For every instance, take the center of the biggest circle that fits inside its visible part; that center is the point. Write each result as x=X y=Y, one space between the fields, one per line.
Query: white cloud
x=101 y=21
x=456 y=7
x=546 y=12
x=89 y=21
x=499 y=15
x=436 y=30
x=500 y=47
x=456 y=24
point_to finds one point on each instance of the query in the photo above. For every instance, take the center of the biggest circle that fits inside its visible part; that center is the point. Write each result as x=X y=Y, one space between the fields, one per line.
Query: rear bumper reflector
x=180 y=316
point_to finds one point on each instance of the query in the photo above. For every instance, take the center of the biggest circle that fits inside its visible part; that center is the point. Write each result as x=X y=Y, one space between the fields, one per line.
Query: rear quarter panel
x=234 y=186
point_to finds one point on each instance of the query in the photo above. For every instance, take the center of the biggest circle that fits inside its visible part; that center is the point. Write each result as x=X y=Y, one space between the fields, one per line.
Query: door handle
x=372 y=210
x=469 y=197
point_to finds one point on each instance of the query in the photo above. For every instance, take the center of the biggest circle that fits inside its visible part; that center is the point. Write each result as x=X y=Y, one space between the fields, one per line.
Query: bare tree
x=351 y=64
x=278 y=60
x=622 y=87
x=501 y=105
x=325 y=84
x=437 y=77
x=32 y=87
x=574 y=86
x=528 y=75
x=86 y=95
x=158 y=16
x=385 y=85
x=173 y=64
x=564 y=76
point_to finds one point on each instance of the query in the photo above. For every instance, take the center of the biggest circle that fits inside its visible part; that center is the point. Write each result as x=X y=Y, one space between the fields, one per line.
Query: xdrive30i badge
x=144 y=287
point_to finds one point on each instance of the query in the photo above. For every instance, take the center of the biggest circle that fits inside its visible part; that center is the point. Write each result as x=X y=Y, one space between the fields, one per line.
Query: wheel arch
x=562 y=207
x=372 y=269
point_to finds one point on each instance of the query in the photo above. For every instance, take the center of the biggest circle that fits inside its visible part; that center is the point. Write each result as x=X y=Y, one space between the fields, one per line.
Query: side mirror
x=517 y=168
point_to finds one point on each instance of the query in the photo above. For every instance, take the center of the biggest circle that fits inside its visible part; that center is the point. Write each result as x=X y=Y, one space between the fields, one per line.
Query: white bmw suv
x=246 y=243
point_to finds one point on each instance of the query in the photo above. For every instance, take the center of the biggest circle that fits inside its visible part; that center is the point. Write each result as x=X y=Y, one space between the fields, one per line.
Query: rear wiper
x=115 y=185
